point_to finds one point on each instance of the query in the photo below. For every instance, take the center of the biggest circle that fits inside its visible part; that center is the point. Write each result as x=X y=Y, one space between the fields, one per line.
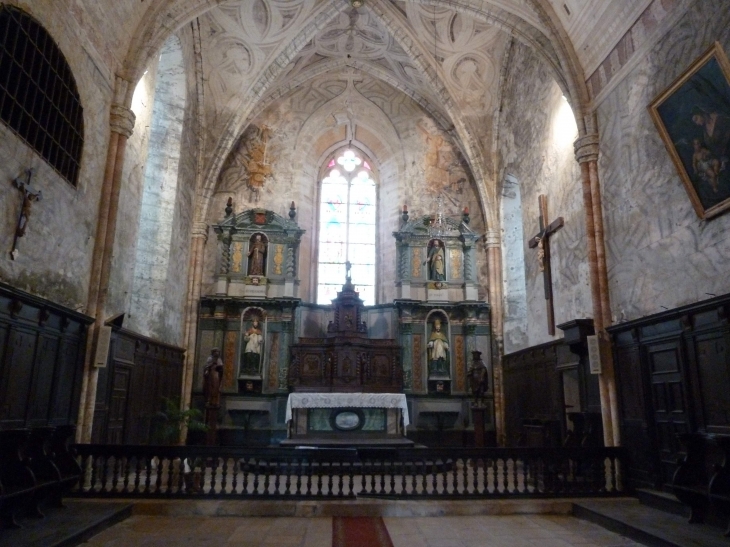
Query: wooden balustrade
x=115 y=471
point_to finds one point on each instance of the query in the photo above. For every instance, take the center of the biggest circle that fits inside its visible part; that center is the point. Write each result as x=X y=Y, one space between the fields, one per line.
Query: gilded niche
x=416 y=263
x=278 y=259
x=237 y=257
x=455 y=255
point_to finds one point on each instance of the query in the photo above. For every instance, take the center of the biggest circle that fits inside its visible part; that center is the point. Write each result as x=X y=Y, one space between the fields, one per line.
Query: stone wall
x=536 y=138
x=54 y=257
x=150 y=313
x=130 y=196
x=660 y=254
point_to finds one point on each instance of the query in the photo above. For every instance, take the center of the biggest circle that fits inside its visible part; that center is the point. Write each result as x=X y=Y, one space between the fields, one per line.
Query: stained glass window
x=347 y=228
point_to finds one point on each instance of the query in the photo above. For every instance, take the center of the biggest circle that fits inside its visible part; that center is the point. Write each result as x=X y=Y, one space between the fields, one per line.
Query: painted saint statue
x=253 y=338
x=438 y=352
x=436 y=260
x=257 y=255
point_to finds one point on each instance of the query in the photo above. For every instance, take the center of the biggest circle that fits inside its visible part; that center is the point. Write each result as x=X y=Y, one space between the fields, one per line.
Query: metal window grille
x=39 y=100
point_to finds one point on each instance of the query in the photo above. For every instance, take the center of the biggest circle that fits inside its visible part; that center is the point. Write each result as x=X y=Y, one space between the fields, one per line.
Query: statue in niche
x=257 y=255
x=438 y=351
x=254 y=339
x=436 y=260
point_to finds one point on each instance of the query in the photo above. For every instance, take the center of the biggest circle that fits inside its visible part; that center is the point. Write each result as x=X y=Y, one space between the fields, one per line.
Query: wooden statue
x=478 y=375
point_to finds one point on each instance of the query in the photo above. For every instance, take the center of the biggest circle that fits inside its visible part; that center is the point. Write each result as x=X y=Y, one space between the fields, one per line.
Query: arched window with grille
x=347 y=212
x=39 y=99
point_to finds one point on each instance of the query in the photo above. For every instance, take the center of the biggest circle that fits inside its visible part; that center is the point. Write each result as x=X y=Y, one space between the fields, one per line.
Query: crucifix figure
x=29 y=196
x=542 y=242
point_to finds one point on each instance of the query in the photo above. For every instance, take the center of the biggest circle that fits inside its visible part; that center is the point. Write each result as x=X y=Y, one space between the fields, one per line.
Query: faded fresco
x=537 y=155
x=648 y=218
x=413 y=160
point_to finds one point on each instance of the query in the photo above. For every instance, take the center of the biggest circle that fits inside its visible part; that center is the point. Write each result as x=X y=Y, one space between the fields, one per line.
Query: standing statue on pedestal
x=256 y=255
x=436 y=260
x=212 y=378
x=438 y=352
x=478 y=375
x=252 y=352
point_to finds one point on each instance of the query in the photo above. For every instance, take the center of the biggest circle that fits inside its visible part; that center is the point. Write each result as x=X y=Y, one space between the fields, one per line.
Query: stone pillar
x=493 y=243
x=122 y=124
x=195 y=277
x=586 y=153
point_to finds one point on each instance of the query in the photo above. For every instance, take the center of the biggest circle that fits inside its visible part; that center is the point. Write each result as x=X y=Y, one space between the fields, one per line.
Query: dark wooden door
x=17 y=378
x=118 y=404
x=637 y=417
x=669 y=402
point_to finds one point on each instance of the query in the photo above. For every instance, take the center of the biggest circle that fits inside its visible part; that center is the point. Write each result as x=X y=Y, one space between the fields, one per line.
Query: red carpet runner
x=360 y=532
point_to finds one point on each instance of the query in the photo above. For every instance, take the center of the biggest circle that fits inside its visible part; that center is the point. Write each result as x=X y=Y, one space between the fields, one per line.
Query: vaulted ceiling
x=448 y=56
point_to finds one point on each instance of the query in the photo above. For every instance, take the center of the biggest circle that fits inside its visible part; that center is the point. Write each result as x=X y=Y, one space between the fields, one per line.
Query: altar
x=337 y=419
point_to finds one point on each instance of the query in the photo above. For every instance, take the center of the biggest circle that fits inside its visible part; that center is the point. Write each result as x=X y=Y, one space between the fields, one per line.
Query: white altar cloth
x=348 y=400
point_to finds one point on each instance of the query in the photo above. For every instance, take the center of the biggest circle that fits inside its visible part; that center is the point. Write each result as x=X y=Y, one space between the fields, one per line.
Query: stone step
x=648 y=525
x=67 y=526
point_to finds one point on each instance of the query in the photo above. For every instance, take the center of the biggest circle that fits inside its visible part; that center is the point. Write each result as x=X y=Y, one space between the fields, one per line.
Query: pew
x=36 y=468
x=17 y=482
x=702 y=478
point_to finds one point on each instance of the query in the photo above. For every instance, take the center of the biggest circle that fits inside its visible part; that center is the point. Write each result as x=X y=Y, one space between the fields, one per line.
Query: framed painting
x=693 y=118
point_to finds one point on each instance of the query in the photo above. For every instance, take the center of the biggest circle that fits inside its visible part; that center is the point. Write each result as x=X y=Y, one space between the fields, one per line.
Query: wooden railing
x=213 y=472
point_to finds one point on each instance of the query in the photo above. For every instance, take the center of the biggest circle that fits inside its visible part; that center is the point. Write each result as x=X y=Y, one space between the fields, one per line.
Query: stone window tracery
x=347 y=227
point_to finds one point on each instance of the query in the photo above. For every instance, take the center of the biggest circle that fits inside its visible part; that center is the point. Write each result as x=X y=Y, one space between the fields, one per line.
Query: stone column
x=122 y=125
x=195 y=278
x=586 y=153
x=493 y=243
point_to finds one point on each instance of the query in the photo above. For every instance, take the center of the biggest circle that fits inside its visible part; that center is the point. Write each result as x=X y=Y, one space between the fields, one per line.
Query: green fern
x=172 y=419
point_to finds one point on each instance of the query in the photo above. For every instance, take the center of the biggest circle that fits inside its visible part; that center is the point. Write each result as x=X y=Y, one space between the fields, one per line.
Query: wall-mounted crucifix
x=542 y=242
x=29 y=196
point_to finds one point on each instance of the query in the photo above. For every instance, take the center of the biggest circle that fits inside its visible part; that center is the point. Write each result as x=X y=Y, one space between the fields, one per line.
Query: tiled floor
x=481 y=531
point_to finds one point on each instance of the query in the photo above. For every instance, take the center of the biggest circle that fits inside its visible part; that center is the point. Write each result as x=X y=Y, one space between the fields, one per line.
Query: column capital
x=200 y=229
x=586 y=148
x=122 y=120
x=492 y=238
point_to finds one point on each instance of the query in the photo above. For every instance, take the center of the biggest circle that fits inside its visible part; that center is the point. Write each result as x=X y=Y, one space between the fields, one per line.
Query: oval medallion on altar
x=347 y=419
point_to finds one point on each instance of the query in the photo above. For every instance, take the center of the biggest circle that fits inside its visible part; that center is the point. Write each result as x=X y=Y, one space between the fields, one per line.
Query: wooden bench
x=17 y=482
x=702 y=478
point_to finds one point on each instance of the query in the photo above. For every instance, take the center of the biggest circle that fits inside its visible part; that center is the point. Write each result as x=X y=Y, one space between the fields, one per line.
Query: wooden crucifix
x=29 y=196
x=542 y=242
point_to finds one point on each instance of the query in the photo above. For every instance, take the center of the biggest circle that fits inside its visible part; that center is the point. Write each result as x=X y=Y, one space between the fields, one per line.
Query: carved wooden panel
x=130 y=391
x=713 y=370
x=417 y=363
x=459 y=364
x=273 y=382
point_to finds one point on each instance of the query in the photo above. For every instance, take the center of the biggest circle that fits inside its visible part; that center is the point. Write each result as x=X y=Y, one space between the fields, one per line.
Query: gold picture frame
x=693 y=119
